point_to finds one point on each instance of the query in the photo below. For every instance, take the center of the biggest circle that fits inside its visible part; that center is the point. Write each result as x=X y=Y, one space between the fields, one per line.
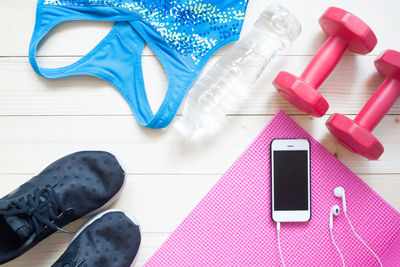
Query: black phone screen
x=290 y=180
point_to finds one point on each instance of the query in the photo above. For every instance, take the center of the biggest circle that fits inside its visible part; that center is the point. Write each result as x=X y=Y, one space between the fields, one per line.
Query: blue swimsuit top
x=182 y=33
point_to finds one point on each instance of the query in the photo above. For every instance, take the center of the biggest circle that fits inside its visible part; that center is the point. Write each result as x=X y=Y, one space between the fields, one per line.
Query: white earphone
x=335 y=210
x=339 y=192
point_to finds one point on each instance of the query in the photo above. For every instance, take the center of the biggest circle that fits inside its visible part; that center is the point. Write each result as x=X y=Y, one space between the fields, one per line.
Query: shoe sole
x=98 y=216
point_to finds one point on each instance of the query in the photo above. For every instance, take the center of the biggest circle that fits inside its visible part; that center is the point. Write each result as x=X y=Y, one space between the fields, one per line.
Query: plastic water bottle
x=228 y=82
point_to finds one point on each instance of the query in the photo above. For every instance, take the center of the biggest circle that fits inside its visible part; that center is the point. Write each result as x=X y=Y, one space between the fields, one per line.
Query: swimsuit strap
x=117 y=59
x=183 y=37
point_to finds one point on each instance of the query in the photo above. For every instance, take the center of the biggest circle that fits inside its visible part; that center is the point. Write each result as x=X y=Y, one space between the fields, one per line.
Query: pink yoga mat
x=232 y=225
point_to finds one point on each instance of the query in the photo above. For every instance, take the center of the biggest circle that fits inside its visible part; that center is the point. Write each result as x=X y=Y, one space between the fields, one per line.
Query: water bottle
x=229 y=81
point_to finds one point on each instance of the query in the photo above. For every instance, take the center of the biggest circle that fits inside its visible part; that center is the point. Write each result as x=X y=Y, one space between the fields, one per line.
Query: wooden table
x=42 y=120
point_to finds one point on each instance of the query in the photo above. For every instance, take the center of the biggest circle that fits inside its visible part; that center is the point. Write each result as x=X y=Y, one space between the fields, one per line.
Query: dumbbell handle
x=379 y=104
x=325 y=60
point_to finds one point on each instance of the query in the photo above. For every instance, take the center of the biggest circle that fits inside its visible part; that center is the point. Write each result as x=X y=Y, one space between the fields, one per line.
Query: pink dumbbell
x=346 y=32
x=356 y=134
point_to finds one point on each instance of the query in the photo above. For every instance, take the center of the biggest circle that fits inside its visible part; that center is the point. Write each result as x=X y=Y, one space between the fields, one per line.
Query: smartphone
x=290 y=180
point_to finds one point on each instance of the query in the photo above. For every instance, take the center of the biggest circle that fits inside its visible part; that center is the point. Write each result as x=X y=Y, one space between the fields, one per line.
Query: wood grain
x=76 y=39
x=347 y=89
x=42 y=120
x=32 y=141
x=158 y=223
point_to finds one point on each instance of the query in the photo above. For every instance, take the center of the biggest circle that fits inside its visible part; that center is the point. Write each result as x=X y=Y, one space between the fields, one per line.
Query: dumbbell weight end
x=346 y=32
x=356 y=135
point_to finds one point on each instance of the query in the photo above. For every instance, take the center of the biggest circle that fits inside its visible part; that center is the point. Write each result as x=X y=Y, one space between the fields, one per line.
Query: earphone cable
x=362 y=241
x=278 y=230
x=337 y=248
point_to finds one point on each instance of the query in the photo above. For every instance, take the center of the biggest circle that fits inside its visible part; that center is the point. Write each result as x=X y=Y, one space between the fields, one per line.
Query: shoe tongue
x=20 y=225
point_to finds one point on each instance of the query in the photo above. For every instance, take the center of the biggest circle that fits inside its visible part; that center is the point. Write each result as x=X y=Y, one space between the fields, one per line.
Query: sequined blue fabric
x=191 y=27
x=183 y=34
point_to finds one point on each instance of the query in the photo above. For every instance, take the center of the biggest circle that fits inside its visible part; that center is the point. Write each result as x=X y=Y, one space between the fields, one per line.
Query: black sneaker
x=74 y=186
x=111 y=239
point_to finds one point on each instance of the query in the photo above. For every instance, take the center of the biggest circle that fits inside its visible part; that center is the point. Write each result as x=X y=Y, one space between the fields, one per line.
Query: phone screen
x=291 y=180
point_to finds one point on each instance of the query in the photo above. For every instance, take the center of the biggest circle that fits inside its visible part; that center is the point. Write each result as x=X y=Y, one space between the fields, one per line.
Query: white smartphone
x=290 y=180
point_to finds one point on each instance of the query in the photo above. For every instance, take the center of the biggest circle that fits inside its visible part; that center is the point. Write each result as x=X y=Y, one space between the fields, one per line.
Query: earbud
x=335 y=210
x=339 y=192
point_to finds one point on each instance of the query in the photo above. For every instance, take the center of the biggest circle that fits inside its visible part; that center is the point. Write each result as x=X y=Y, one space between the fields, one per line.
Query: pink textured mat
x=232 y=225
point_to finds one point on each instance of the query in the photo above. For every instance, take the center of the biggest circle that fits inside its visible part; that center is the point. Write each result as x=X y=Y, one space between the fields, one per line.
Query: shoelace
x=41 y=207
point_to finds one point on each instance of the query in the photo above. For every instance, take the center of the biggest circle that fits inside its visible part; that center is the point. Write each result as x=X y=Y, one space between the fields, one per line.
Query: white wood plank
x=161 y=202
x=42 y=120
x=159 y=218
x=28 y=144
x=48 y=251
x=23 y=92
x=74 y=39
